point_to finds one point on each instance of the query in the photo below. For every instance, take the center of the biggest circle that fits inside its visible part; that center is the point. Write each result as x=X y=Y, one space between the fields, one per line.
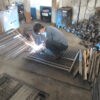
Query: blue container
x=59 y=19
x=33 y=13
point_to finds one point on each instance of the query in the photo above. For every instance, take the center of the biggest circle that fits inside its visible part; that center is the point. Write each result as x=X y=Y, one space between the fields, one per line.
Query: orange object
x=28 y=17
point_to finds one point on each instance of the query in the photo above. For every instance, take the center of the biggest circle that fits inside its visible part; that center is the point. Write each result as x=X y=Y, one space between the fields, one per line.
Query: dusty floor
x=59 y=84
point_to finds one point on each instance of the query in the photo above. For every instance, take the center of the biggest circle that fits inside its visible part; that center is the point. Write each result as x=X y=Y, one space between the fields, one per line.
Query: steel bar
x=10 y=47
x=8 y=42
x=62 y=57
x=20 y=50
x=74 y=61
x=52 y=62
x=13 y=51
x=71 y=53
x=8 y=36
x=63 y=61
x=49 y=63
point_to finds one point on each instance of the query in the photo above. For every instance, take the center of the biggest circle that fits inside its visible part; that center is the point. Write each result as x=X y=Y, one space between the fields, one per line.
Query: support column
x=54 y=3
x=27 y=11
x=3 y=4
x=60 y=3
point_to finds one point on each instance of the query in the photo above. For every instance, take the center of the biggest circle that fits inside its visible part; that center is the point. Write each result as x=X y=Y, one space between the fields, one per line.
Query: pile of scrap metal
x=88 y=30
x=89 y=64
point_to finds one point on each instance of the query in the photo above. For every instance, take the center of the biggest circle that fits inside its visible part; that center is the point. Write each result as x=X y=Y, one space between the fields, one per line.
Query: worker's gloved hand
x=42 y=45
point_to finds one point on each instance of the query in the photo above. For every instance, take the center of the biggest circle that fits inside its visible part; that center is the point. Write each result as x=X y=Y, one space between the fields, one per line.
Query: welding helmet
x=44 y=34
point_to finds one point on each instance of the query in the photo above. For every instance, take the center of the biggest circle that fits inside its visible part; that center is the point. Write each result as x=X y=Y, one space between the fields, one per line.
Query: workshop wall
x=1 y=5
x=11 y=1
x=75 y=4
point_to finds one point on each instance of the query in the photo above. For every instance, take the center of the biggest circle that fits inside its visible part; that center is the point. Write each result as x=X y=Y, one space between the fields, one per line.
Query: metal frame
x=55 y=65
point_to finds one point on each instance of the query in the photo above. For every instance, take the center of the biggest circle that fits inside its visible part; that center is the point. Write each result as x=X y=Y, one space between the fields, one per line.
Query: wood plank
x=76 y=57
x=80 y=63
x=98 y=66
x=94 y=67
x=76 y=71
x=92 y=64
x=85 y=69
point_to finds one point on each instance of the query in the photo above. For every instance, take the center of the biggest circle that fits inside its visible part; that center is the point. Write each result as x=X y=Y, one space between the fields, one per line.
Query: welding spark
x=34 y=47
x=37 y=48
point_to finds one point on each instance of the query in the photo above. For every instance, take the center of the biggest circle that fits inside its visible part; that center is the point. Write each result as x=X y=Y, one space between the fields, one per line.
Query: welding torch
x=33 y=46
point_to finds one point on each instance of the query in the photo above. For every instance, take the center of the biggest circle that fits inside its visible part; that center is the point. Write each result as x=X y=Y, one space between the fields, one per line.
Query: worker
x=55 y=39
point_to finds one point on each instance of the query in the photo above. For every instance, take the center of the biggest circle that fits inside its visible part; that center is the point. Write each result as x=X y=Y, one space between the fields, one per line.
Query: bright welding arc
x=35 y=48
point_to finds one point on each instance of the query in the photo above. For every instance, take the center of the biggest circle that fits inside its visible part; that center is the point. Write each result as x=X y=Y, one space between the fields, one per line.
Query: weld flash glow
x=34 y=47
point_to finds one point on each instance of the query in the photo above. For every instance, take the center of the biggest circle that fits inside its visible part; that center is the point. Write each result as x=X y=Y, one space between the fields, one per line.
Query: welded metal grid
x=10 y=46
x=66 y=63
x=13 y=89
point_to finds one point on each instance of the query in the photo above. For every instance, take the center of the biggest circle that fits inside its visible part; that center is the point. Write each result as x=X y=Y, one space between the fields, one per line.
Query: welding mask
x=44 y=34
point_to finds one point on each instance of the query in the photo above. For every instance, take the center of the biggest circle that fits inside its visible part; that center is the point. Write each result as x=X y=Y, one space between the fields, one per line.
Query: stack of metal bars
x=13 y=89
x=11 y=46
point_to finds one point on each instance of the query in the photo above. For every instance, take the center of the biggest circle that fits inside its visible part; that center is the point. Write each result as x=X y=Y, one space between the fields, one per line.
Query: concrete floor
x=59 y=84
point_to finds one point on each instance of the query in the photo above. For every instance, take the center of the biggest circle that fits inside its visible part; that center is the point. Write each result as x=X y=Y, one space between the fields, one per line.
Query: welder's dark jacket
x=54 y=35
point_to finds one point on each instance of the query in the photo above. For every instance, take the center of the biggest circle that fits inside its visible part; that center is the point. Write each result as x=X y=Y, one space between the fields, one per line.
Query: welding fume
x=53 y=39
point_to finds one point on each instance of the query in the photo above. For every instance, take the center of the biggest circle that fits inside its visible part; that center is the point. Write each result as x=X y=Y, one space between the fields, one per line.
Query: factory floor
x=60 y=85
